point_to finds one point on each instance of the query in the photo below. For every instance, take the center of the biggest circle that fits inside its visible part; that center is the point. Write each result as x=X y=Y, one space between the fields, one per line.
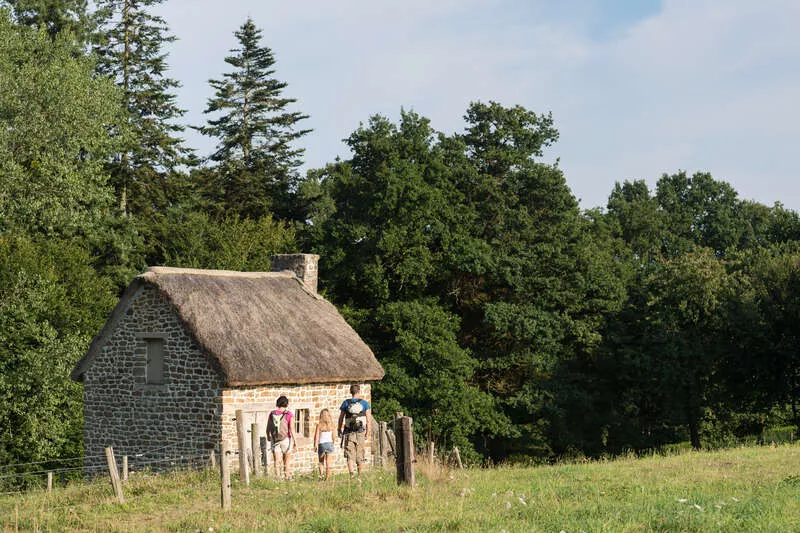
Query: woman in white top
x=323 y=442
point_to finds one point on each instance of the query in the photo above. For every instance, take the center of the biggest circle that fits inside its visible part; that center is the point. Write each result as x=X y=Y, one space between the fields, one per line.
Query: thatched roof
x=261 y=327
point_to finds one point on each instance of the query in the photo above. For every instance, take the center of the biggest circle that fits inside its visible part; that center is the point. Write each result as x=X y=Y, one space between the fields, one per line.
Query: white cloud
x=700 y=86
x=697 y=85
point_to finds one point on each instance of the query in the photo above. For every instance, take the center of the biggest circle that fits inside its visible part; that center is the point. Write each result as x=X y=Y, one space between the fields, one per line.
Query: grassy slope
x=747 y=489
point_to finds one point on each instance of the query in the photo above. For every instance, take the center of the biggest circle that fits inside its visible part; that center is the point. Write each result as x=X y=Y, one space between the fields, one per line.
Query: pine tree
x=56 y=16
x=257 y=160
x=132 y=54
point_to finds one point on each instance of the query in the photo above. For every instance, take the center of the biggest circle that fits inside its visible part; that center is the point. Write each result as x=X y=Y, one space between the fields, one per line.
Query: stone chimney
x=303 y=265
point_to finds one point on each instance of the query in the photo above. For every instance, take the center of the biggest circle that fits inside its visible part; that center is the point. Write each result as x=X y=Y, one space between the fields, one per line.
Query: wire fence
x=178 y=453
x=87 y=484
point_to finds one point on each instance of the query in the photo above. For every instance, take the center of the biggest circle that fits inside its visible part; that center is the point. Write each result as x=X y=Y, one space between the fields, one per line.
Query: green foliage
x=686 y=212
x=55 y=118
x=196 y=240
x=386 y=219
x=55 y=16
x=699 y=210
x=54 y=122
x=257 y=160
x=686 y=299
x=470 y=227
x=428 y=373
x=775 y=305
x=393 y=212
x=642 y=223
x=51 y=304
x=696 y=346
x=663 y=349
x=538 y=300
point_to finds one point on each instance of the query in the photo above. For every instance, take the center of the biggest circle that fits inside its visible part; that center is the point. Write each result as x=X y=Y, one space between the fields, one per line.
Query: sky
x=637 y=88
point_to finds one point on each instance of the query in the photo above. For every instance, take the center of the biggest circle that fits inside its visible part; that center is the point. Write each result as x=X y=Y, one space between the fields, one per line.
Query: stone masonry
x=177 y=418
x=186 y=416
x=304 y=267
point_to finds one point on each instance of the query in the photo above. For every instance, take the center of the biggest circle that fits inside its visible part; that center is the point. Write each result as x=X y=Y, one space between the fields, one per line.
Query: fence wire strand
x=179 y=454
x=56 y=460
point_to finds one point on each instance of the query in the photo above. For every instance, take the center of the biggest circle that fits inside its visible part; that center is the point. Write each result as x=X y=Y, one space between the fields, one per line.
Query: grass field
x=743 y=489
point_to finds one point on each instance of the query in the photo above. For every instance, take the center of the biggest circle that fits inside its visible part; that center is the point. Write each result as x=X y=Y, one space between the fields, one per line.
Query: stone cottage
x=184 y=349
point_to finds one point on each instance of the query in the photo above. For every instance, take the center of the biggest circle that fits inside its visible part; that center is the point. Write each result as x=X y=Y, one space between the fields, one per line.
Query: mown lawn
x=744 y=489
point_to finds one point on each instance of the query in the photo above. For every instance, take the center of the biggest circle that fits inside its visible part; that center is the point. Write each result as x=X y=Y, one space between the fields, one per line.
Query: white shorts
x=285 y=445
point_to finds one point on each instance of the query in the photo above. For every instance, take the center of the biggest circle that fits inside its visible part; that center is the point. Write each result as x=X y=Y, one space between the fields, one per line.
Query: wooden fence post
x=383 y=445
x=396 y=432
x=225 y=476
x=255 y=440
x=455 y=455
x=49 y=482
x=386 y=449
x=391 y=440
x=124 y=468
x=375 y=446
x=264 y=446
x=212 y=460
x=114 y=473
x=404 y=436
x=244 y=474
x=375 y=439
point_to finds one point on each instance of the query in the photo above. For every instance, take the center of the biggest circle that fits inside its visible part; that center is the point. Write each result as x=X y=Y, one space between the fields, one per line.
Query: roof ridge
x=164 y=270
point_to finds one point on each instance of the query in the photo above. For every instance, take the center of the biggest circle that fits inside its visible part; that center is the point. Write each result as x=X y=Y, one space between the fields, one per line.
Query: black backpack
x=354 y=416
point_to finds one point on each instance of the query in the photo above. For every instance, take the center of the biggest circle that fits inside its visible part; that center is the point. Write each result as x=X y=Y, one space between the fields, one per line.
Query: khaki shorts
x=284 y=445
x=354 y=446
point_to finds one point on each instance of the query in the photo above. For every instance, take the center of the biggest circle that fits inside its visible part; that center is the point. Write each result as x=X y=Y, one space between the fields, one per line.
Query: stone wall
x=179 y=418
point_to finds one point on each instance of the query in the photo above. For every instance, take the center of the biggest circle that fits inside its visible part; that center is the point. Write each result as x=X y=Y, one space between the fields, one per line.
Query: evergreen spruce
x=55 y=16
x=132 y=53
x=257 y=160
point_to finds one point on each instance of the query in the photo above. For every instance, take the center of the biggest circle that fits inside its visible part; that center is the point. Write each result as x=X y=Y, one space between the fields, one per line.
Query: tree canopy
x=510 y=323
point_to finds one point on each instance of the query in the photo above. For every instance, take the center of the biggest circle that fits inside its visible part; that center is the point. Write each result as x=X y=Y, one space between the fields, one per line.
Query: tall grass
x=744 y=489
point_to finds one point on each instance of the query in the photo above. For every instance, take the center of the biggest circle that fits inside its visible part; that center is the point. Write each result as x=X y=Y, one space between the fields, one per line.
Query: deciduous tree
x=55 y=118
x=51 y=304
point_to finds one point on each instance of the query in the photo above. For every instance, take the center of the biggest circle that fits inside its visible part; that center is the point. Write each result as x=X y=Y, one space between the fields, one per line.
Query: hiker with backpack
x=355 y=422
x=279 y=433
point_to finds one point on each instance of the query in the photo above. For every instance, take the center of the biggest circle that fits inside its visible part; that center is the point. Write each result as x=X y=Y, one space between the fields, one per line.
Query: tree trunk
x=693 y=419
